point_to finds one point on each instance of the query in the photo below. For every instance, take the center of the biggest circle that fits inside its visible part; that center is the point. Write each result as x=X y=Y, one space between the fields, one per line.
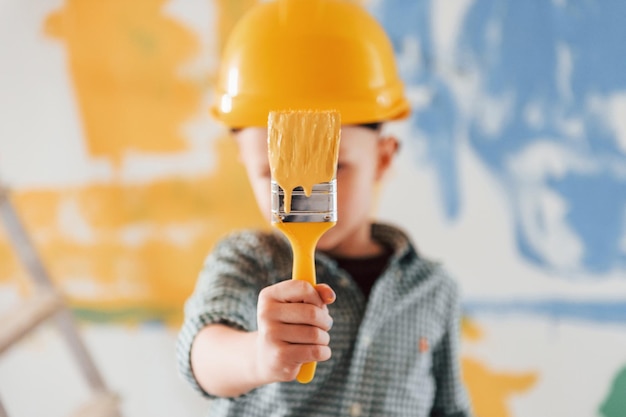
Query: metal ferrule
x=320 y=207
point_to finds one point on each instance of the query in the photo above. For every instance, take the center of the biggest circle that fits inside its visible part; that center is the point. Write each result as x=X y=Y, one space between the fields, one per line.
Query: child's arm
x=293 y=324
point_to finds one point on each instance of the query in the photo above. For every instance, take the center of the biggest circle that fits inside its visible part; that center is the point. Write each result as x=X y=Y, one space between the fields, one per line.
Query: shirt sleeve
x=226 y=292
x=450 y=397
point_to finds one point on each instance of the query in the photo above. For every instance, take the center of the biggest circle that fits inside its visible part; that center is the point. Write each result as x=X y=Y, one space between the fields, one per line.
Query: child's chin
x=330 y=241
x=326 y=243
x=323 y=246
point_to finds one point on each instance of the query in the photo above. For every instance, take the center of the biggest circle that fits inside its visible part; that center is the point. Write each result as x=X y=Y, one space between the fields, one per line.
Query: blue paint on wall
x=596 y=216
x=410 y=20
x=548 y=72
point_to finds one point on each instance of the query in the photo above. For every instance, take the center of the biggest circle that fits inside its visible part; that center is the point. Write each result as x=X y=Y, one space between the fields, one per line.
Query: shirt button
x=356 y=410
x=344 y=282
x=366 y=341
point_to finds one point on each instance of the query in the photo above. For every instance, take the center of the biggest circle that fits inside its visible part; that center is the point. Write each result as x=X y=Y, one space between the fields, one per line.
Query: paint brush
x=303 y=148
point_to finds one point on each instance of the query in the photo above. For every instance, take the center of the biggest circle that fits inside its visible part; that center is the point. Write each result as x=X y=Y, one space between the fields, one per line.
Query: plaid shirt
x=394 y=354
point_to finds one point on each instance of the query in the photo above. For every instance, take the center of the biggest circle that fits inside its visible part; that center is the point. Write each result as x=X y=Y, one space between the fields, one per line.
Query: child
x=382 y=322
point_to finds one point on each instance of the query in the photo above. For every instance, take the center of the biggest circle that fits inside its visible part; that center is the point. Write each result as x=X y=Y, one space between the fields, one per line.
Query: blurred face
x=363 y=159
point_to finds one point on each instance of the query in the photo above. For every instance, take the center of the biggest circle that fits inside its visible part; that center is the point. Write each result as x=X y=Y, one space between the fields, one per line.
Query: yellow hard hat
x=308 y=54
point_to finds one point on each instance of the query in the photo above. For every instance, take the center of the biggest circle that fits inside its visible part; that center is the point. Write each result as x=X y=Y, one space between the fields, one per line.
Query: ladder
x=46 y=303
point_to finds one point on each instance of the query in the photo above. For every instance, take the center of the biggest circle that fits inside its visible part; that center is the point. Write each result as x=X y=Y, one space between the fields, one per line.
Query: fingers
x=293 y=291
x=296 y=302
x=296 y=291
x=284 y=364
x=295 y=344
x=307 y=353
x=298 y=313
x=308 y=335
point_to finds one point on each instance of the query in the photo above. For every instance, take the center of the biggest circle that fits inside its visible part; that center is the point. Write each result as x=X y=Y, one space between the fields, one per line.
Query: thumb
x=326 y=293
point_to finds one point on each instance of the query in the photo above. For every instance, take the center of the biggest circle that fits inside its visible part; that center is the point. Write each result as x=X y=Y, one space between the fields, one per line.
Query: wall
x=512 y=172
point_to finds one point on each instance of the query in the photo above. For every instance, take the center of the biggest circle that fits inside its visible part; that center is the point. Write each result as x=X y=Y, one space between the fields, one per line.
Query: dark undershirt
x=365 y=271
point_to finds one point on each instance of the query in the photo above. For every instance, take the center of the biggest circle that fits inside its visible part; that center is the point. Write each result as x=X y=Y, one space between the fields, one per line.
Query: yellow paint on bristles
x=303 y=149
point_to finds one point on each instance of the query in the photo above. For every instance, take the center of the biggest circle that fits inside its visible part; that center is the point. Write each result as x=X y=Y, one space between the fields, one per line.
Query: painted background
x=512 y=172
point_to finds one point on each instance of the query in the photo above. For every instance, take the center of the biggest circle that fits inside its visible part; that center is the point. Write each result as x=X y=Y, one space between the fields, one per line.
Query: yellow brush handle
x=303 y=238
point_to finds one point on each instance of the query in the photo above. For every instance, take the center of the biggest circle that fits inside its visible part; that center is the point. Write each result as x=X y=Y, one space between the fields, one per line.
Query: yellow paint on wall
x=124 y=58
x=123 y=247
x=470 y=330
x=135 y=247
x=490 y=390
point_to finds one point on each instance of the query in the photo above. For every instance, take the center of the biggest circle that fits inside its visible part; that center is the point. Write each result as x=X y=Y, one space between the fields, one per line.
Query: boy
x=383 y=322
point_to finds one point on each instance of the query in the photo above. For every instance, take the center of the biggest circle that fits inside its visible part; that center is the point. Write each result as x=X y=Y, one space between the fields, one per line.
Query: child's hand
x=293 y=325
